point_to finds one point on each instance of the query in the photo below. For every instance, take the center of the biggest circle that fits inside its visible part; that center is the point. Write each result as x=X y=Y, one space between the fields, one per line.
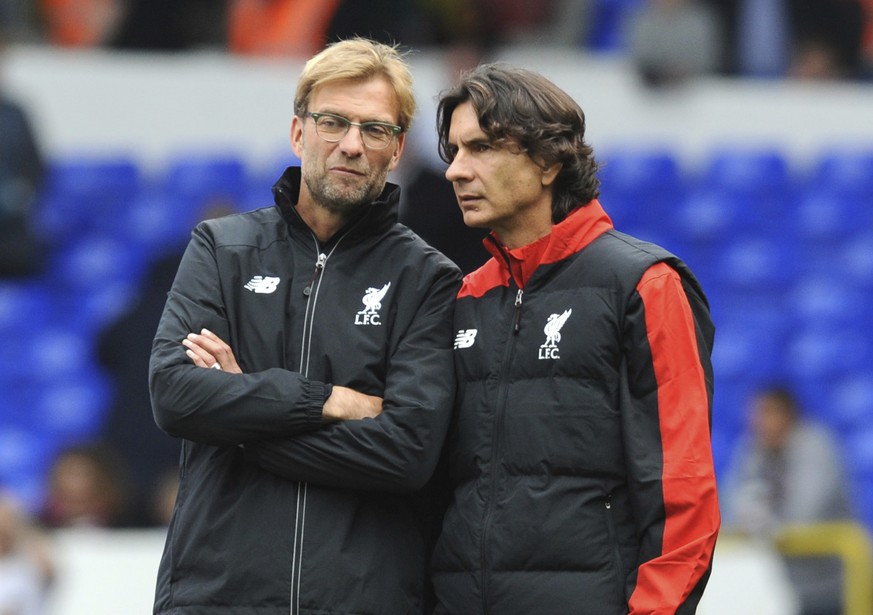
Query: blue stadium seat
x=25 y=458
x=819 y=297
x=72 y=408
x=819 y=352
x=607 y=32
x=93 y=261
x=764 y=266
x=745 y=170
x=85 y=194
x=850 y=400
x=95 y=278
x=640 y=187
x=823 y=218
x=758 y=181
x=156 y=223
x=24 y=305
x=847 y=170
x=706 y=218
x=199 y=179
x=746 y=352
x=854 y=260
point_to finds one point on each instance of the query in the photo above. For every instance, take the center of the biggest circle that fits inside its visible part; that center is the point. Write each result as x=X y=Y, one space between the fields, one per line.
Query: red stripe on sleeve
x=688 y=476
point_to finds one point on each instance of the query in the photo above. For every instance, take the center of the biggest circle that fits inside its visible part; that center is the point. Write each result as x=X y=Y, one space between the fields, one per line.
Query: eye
x=377 y=131
x=480 y=147
x=330 y=123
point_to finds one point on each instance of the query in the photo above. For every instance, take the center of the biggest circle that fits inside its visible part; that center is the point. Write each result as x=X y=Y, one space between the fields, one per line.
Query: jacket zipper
x=319 y=266
x=311 y=293
x=516 y=323
x=495 y=447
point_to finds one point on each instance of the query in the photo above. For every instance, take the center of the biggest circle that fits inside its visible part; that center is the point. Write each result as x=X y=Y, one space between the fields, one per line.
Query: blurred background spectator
x=27 y=567
x=21 y=178
x=88 y=486
x=170 y=25
x=672 y=41
x=788 y=470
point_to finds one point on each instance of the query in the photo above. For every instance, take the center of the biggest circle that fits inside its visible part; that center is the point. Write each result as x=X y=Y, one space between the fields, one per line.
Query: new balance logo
x=262 y=284
x=465 y=338
x=372 y=301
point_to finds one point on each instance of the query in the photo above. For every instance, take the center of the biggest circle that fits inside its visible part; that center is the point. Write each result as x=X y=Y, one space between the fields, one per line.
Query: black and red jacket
x=580 y=451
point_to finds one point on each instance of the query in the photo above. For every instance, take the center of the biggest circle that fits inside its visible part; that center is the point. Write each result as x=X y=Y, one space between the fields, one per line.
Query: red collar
x=577 y=230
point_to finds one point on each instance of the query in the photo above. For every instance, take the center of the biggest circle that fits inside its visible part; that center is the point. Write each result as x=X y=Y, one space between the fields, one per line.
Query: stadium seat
x=853 y=260
x=824 y=218
x=198 y=179
x=93 y=261
x=850 y=400
x=847 y=170
x=24 y=305
x=640 y=187
x=705 y=218
x=155 y=223
x=743 y=171
x=85 y=194
x=818 y=297
x=25 y=458
x=765 y=266
x=608 y=20
x=71 y=408
x=819 y=352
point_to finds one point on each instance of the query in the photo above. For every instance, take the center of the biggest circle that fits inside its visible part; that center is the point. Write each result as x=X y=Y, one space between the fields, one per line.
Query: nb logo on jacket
x=262 y=284
x=465 y=338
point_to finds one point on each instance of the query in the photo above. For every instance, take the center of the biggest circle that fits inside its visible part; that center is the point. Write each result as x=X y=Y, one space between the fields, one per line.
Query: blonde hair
x=358 y=59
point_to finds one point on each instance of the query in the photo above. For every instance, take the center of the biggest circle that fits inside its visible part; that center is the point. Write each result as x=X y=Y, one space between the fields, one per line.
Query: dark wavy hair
x=519 y=106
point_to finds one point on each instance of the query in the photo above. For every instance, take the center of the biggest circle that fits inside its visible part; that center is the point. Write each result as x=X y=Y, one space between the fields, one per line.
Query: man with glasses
x=304 y=359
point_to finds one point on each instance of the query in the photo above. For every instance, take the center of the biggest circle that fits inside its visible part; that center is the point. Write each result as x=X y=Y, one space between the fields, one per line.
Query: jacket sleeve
x=666 y=426
x=398 y=450
x=210 y=406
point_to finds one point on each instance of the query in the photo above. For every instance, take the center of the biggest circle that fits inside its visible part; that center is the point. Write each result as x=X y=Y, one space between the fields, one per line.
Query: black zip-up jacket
x=580 y=454
x=279 y=511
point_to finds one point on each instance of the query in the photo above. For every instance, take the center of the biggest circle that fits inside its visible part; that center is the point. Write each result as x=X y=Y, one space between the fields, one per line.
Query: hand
x=208 y=350
x=346 y=404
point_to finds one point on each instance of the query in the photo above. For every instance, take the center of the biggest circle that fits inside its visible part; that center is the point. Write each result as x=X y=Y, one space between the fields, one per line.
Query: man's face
x=344 y=175
x=497 y=187
x=772 y=423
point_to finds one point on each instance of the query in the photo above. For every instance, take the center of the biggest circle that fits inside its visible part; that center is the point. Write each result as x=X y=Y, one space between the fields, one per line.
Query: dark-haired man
x=580 y=451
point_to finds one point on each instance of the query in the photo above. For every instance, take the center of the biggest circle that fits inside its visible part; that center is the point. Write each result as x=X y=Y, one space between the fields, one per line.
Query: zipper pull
x=319 y=266
x=517 y=322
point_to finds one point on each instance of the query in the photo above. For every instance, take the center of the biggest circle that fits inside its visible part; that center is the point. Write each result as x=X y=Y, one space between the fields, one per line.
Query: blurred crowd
x=670 y=39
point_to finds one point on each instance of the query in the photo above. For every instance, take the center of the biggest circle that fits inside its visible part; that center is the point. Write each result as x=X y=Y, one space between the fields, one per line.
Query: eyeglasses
x=332 y=128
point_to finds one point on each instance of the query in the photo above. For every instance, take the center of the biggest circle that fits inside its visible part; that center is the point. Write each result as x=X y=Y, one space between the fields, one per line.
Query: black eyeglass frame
x=393 y=129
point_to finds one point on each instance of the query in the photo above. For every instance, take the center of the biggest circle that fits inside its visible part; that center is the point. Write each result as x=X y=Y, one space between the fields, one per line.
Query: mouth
x=348 y=171
x=468 y=201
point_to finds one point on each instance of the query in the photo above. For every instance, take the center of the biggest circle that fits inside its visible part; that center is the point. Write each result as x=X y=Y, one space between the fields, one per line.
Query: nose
x=458 y=170
x=352 y=143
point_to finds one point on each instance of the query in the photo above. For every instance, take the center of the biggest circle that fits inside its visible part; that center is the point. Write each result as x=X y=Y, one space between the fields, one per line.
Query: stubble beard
x=338 y=197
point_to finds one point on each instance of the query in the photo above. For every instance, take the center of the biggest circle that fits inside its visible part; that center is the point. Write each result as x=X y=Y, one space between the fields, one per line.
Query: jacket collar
x=373 y=218
x=582 y=226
